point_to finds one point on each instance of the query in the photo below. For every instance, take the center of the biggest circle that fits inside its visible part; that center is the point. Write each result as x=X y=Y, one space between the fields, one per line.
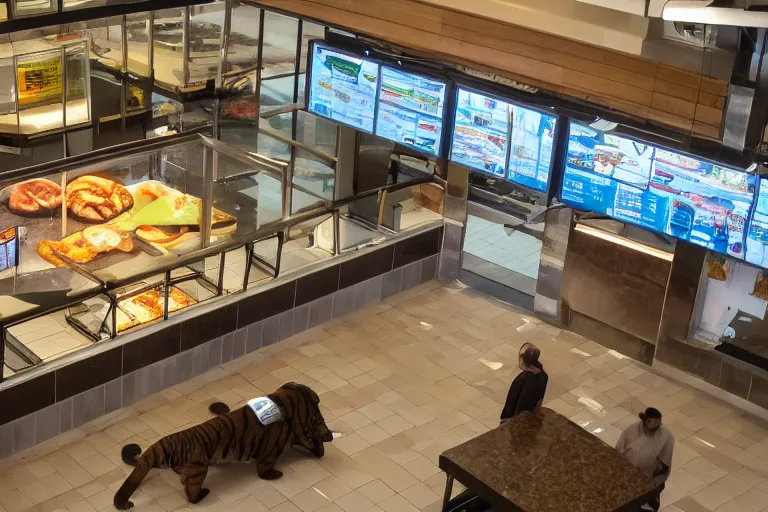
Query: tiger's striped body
x=237 y=436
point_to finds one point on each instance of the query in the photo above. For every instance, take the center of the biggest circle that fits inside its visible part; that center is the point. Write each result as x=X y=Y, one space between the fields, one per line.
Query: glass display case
x=44 y=85
x=130 y=240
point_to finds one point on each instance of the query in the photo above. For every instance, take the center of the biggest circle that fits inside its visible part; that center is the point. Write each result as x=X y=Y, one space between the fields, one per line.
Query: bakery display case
x=45 y=85
x=138 y=237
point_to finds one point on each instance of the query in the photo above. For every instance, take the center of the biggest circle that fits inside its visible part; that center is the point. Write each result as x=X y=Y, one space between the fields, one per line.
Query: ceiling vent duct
x=740 y=13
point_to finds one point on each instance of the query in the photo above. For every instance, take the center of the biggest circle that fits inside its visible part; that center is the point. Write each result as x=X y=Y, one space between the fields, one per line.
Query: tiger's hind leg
x=266 y=468
x=192 y=478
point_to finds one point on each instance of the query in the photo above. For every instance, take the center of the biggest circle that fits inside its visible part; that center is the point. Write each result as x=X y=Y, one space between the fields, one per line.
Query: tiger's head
x=309 y=428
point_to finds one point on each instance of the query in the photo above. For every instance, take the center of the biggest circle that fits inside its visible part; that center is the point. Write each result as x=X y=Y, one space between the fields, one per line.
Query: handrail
x=275 y=168
x=97 y=157
x=309 y=149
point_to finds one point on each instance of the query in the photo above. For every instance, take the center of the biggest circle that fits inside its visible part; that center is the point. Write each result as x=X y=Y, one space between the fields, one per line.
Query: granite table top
x=545 y=462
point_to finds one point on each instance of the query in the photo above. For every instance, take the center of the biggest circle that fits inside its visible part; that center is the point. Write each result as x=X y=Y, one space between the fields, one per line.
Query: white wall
x=733 y=293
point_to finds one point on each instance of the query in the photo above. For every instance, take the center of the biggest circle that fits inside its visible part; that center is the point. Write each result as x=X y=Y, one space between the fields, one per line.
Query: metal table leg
x=448 y=490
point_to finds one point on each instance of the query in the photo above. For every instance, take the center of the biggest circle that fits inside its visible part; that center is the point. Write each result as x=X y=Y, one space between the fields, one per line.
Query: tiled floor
x=402 y=380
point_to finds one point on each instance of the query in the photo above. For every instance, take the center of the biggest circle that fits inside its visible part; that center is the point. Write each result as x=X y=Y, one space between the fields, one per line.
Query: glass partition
x=243 y=41
x=280 y=42
x=138 y=49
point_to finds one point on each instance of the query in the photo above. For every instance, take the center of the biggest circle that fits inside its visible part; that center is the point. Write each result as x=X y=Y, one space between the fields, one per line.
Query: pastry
x=85 y=245
x=161 y=237
x=148 y=306
x=94 y=199
x=35 y=197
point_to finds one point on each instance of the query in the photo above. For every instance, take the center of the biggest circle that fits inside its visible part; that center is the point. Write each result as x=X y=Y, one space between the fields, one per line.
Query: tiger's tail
x=142 y=465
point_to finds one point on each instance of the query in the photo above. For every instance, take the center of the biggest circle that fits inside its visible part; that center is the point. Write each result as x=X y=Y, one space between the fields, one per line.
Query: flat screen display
x=533 y=136
x=8 y=240
x=696 y=201
x=343 y=88
x=411 y=110
x=480 y=133
x=757 y=235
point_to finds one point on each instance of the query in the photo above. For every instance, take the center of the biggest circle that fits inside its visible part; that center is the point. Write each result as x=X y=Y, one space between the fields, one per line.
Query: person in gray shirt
x=648 y=445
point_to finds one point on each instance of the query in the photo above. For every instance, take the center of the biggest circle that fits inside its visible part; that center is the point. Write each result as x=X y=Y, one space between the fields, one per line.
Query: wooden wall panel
x=632 y=85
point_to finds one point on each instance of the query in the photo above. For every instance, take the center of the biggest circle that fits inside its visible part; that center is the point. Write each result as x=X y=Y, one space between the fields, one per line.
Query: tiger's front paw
x=271 y=474
x=202 y=494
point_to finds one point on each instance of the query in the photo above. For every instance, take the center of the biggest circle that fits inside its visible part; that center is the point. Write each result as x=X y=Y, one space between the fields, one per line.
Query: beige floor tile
x=287 y=506
x=333 y=488
x=376 y=491
x=355 y=420
x=397 y=504
x=373 y=433
x=310 y=500
x=351 y=444
x=712 y=497
x=375 y=411
x=354 y=502
x=420 y=495
x=422 y=468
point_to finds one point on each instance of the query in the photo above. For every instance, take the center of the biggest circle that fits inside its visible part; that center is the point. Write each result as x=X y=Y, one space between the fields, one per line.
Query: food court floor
x=402 y=380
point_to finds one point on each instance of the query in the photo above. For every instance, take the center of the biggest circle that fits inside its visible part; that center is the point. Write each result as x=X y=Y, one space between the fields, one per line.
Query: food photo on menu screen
x=480 y=133
x=610 y=174
x=533 y=136
x=411 y=110
x=708 y=204
x=700 y=202
x=757 y=235
x=343 y=88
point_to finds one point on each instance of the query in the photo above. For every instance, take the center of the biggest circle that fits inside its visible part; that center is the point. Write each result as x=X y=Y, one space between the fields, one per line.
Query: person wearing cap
x=648 y=445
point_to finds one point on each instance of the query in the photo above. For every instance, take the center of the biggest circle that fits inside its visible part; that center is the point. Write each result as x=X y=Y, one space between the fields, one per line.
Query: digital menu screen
x=343 y=88
x=757 y=235
x=411 y=110
x=8 y=241
x=696 y=201
x=480 y=133
x=533 y=136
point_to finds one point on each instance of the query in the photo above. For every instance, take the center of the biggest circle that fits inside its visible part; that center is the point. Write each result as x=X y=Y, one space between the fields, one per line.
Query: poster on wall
x=8 y=249
x=411 y=110
x=690 y=199
x=343 y=88
x=531 y=143
x=480 y=133
x=718 y=266
x=761 y=286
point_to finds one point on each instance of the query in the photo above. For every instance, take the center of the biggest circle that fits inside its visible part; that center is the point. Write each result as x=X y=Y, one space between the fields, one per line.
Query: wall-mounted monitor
x=480 y=133
x=411 y=110
x=690 y=199
x=757 y=233
x=343 y=87
x=531 y=145
x=8 y=248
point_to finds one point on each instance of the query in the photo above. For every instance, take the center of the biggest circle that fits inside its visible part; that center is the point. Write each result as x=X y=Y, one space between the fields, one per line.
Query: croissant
x=95 y=199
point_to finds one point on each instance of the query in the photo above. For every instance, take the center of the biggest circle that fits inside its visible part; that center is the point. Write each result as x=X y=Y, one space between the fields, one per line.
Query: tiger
x=256 y=433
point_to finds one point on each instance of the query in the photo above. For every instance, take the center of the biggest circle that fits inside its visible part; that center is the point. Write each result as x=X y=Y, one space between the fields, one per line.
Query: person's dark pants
x=655 y=501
